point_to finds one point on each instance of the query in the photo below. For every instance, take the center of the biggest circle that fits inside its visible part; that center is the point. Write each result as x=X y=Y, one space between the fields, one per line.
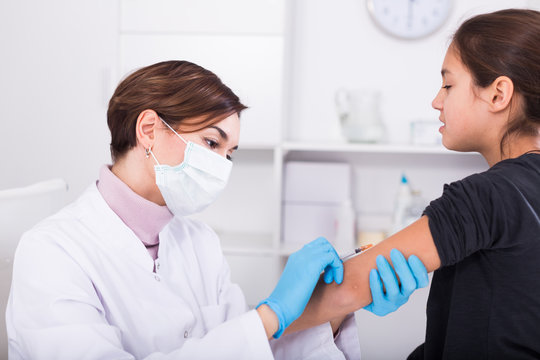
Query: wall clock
x=409 y=19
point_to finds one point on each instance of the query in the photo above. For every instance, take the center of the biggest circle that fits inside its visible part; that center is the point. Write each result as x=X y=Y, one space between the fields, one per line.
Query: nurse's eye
x=446 y=87
x=212 y=143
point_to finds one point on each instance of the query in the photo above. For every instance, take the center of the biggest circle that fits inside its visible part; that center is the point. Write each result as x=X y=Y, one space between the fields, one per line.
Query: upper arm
x=472 y=215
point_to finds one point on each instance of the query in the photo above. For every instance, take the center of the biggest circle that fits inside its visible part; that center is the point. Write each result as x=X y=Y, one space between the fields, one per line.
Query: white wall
x=56 y=68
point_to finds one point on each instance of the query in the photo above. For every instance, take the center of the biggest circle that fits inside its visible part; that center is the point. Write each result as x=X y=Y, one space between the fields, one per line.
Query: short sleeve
x=469 y=216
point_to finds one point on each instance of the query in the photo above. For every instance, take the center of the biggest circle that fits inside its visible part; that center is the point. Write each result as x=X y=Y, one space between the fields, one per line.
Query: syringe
x=356 y=252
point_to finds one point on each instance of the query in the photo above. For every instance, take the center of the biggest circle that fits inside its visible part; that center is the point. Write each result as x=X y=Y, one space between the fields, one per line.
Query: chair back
x=20 y=209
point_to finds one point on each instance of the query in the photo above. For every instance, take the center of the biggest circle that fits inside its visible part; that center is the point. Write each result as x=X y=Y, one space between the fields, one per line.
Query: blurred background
x=339 y=140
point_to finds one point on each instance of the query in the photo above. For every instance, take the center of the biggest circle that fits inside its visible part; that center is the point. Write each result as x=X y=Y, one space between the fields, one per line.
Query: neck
x=135 y=171
x=513 y=147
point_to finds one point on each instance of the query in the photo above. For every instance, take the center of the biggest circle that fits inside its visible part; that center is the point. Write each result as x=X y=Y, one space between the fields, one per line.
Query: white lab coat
x=84 y=288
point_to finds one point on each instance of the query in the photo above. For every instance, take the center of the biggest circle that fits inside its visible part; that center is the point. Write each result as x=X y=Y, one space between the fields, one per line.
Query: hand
x=299 y=278
x=413 y=275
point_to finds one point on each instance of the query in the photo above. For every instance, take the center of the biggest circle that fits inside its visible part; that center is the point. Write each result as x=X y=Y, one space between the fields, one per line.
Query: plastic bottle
x=402 y=202
x=345 y=227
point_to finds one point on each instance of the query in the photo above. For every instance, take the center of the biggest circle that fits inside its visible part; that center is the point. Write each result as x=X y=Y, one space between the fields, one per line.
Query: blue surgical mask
x=190 y=187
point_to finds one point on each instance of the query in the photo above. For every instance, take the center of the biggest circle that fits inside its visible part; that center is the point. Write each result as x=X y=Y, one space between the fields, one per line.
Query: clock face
x=409 y=19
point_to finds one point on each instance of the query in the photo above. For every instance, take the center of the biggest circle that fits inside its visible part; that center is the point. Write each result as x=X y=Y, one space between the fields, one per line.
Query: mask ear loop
x=181 y=138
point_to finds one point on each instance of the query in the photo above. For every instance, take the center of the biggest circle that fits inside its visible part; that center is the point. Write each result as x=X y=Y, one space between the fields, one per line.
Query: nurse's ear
x=146 y=127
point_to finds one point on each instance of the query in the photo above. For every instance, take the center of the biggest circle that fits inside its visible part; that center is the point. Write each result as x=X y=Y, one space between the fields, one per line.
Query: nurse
x=122 y=273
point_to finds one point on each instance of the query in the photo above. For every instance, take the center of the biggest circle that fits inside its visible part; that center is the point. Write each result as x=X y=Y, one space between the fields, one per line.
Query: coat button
x=157 y=278
x=186 y=334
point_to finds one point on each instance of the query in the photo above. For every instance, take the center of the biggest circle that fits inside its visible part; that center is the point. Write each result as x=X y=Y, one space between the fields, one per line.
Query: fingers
x=338 y=276
x=333 y=273
x=321 y=250
x=328 y=275
x=419 y=271
x=388 y=276
x=332 y=265
x=408 y=281
x=376 y=287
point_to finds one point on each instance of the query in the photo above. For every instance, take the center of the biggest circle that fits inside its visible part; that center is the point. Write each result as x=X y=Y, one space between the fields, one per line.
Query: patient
x=482 y=234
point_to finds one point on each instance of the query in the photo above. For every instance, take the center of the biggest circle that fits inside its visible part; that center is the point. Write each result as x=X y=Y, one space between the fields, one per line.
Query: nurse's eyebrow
x=223 y=134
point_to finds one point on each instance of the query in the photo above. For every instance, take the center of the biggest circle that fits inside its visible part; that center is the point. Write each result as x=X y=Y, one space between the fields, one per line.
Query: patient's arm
x=332 y=301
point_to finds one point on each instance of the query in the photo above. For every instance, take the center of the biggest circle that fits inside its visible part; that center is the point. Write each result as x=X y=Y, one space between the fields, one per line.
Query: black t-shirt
x=484 y=301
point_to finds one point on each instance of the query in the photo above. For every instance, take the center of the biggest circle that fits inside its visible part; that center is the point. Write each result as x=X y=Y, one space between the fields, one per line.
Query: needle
x=356 y=252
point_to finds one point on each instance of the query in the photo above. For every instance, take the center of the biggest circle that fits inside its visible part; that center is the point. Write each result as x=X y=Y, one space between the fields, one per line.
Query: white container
x=359 y=115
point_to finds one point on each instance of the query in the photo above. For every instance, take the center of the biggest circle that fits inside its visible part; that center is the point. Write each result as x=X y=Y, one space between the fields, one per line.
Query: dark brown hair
x=506 y=42
x=185 y=95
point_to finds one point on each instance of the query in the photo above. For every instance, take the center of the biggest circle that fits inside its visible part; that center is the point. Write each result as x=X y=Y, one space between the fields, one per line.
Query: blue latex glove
x=299 y=278
x=412 y=274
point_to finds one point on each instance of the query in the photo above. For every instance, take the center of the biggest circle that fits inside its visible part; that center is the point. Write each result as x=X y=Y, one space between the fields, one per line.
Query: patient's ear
x=500 y=92
x=146 y=127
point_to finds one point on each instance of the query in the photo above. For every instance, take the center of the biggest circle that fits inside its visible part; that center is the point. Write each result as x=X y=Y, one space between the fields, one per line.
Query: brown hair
x=183 y=94
x=506 y=42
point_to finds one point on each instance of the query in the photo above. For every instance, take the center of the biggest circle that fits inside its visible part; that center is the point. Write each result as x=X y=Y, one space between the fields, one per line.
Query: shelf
x=368 y=148
x=353 y=148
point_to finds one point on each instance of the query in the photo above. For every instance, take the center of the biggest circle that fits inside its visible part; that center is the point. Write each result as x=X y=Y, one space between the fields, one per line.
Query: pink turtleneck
x=145 y=218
